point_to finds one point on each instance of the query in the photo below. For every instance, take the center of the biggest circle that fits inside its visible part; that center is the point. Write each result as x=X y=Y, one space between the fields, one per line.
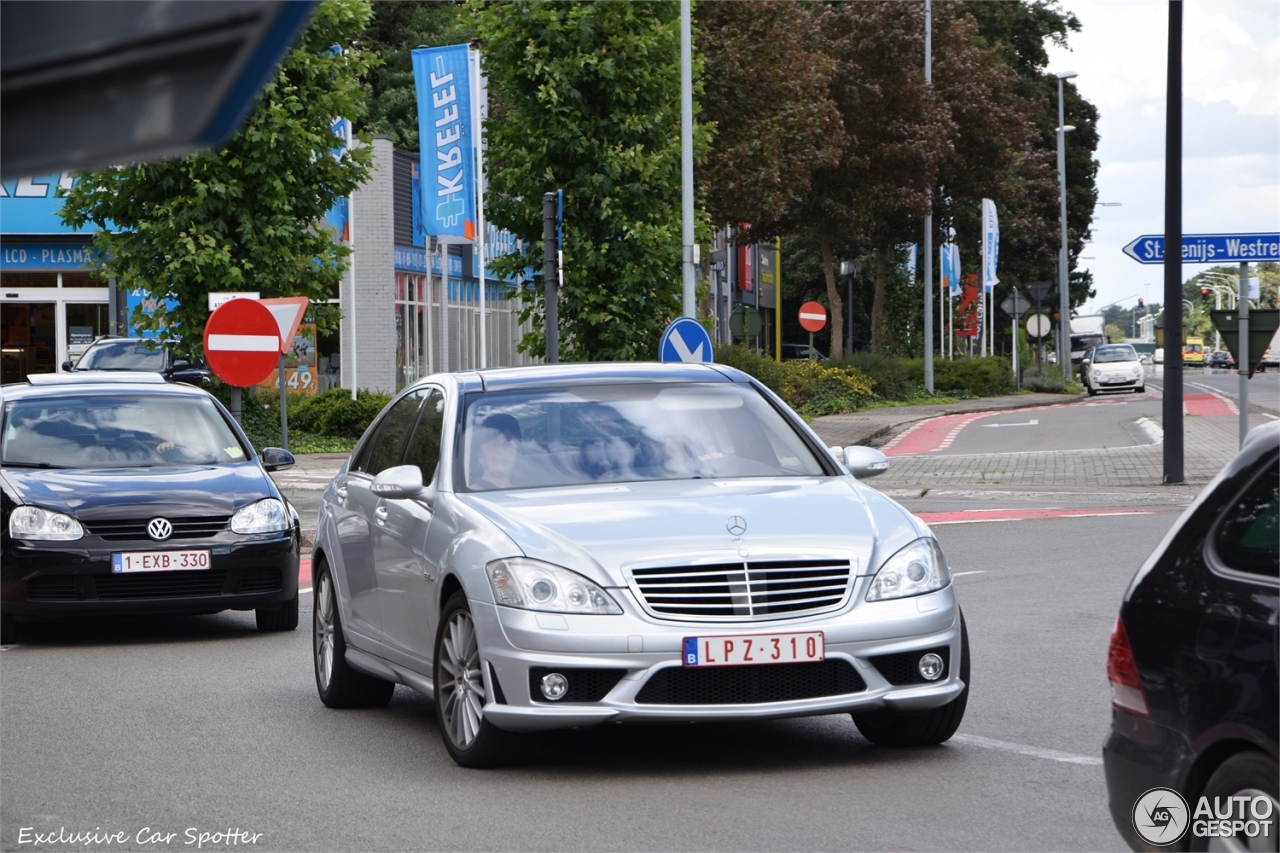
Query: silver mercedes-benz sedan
x=569 y=545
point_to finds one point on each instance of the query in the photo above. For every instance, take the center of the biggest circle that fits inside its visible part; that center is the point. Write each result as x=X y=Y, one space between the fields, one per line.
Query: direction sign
x=1209 y=248
x=685 y=340
x=813 y=316
x=1038 y=325
x=1015 y=304
x=242 y=342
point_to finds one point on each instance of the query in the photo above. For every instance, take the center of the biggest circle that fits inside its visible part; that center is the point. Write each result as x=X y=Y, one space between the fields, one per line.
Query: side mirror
x=399 y=483
x=66 y=366
x=181 y=364
x=276 y=458
x=865 y=462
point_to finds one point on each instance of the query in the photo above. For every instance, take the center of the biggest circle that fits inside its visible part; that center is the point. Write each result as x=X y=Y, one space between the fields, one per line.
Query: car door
x=406 y=576
x=355 y=514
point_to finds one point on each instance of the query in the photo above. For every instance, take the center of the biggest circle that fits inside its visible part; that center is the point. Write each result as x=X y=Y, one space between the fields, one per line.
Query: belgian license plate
x=160 y=561
x=748 y=649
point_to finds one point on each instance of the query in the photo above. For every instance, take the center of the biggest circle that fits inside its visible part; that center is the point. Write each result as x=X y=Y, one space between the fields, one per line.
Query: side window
x=424 y=446
x=385 y=447
x=1248 y=539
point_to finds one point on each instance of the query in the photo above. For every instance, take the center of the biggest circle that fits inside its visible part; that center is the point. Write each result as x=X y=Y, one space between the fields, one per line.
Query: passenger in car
x=499 y=435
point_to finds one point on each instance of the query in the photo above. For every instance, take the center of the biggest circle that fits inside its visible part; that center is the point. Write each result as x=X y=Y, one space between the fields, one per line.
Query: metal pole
x=928 y=219
x=1064 y=288
x=777 y=300
x=1172 y=407
x=551 y=276
x=477 y=127
x=1242 y=366
x=351 y=234
x=284 y=409
x=686 y=154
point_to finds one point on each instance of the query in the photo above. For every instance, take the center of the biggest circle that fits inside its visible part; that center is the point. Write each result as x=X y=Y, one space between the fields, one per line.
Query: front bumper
x=514 y=642
x=58 y=579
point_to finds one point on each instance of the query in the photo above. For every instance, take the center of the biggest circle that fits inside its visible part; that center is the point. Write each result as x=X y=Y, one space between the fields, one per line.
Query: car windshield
x=116 y=431
x=1104 y=355
x=626 y=433
x=124 y=355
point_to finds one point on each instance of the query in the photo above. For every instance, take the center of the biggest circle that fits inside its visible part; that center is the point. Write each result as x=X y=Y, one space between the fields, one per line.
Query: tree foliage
x=251 y=215
x=585 y=97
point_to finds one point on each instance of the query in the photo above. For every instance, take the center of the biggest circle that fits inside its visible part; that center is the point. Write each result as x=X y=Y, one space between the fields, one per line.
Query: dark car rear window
x=116 y=431
x=1249 y=537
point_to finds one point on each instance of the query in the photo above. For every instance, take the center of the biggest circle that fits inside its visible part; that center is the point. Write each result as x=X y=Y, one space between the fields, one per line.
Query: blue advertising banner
x=31 y=205
x=990 y=244
x=45 y=256
x=443 y=81
x=149 y=304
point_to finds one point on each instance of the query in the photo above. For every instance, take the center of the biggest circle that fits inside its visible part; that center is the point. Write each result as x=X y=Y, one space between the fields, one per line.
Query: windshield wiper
x=32 y=465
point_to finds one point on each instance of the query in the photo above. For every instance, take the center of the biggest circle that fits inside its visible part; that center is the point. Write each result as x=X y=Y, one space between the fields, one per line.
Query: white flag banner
x=955 y=269
x=990 y=244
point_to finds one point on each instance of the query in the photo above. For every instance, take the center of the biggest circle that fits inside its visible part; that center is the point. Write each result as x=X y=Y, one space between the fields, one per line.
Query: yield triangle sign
x=288 y=312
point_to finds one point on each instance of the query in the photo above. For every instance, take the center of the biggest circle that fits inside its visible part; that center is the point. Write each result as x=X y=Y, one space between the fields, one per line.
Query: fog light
x=555 y=685
x=930 y=669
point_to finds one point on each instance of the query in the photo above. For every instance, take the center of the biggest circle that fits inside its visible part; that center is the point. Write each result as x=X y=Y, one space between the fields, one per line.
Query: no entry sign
x=242 y=342
x=813 y=316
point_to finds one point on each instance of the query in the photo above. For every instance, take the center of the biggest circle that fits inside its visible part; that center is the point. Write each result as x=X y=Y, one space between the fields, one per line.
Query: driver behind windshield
x=496 y=457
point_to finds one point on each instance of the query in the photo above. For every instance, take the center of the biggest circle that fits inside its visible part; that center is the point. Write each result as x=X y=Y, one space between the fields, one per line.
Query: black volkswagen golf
x=1191 y=760
x=124 y=494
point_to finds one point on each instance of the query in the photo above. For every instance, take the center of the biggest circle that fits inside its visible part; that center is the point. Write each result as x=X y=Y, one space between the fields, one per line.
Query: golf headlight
x=916 y=569
x=29 y=522
x=265 y=516
x=534 y=585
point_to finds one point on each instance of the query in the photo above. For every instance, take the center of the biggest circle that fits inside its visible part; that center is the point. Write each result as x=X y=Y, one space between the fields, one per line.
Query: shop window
x=81 y=279
x=28 y=279
x=85 y=323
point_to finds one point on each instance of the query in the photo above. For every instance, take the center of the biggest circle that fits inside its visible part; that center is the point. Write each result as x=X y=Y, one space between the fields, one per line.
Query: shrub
x=892 y=376
x=1048 y=383
x=977 y=377
x=333 y=412
x=809 y=387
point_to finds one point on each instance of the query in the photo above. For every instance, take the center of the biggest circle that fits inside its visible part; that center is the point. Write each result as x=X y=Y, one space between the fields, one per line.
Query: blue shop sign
x=46 y=256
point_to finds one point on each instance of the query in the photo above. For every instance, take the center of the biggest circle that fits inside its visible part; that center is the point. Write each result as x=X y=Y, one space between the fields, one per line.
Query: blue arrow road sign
x=1208 y=248
x=685 y=340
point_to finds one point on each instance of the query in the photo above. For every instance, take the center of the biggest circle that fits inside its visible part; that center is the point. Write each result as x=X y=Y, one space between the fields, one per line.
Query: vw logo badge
x=737 y=525
x=159 y=529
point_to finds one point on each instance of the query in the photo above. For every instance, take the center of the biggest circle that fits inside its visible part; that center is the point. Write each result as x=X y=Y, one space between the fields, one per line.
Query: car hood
x=616 y=527
x=119 y=493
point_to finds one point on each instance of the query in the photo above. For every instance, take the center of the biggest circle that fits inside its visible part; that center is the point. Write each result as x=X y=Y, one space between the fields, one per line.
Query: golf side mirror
x=276 y=458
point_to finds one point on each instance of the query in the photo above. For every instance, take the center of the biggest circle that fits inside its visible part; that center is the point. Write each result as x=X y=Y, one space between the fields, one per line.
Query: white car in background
x=1113 y=367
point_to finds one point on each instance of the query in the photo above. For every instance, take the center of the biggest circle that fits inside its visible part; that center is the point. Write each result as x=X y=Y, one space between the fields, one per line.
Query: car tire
x=472 y=740
x=282 y=618
x=1093 y=392
x=920 y=728
x=1141 y=389
x=8 y=629
x=338 y=684
x=1249 y=774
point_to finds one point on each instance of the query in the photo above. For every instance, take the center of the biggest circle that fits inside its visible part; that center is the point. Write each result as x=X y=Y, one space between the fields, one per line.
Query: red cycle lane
x=976 y=516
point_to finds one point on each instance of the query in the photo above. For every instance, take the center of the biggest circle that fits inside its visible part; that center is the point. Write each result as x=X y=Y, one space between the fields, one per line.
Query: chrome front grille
x=744 y=592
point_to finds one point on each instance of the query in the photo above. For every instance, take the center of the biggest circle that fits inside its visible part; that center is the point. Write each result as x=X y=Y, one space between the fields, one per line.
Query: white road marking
x=1028 y=423
x=1033 y=751
x=1273 y=417
x=962 y=574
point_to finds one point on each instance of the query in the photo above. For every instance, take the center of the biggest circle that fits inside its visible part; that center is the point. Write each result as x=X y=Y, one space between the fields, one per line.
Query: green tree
x=1115 y=334
x=251 y=215
x=394 y=31
x=585 y=97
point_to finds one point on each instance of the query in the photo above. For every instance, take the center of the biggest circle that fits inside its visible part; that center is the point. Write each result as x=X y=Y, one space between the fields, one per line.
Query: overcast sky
x=1231 y=126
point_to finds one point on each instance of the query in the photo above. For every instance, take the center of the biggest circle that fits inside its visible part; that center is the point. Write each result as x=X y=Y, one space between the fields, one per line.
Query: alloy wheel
x=461 y=688
x=324 y=631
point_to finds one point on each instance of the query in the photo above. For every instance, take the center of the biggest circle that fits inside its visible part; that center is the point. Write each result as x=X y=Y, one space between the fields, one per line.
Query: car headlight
x=1097 y=374
x=534 y=585
x=916 y=569
x=266 y=516
x=29 y=522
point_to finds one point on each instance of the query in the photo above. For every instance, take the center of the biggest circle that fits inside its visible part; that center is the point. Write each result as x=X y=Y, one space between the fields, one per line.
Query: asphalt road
x=202 y=723
x=1264 y=388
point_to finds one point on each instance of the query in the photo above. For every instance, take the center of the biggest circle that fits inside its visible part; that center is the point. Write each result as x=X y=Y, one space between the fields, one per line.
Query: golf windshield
x=125 y=355
x=107 y=431
x=626 y=433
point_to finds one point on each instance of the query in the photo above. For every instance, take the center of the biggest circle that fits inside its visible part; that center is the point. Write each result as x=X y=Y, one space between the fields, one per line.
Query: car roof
x=554 y=375
x=58 y=384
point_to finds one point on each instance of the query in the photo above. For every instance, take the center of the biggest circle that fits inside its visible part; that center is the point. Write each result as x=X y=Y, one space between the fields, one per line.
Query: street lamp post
x=1064 y=296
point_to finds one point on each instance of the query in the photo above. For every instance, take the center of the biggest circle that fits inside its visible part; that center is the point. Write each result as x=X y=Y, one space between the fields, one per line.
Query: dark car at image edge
x=92 y=503
x=1192 y=660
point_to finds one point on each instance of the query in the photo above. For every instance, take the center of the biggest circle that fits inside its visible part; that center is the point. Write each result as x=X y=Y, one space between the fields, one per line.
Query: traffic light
x=1140 y=302
x=1204 y=291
